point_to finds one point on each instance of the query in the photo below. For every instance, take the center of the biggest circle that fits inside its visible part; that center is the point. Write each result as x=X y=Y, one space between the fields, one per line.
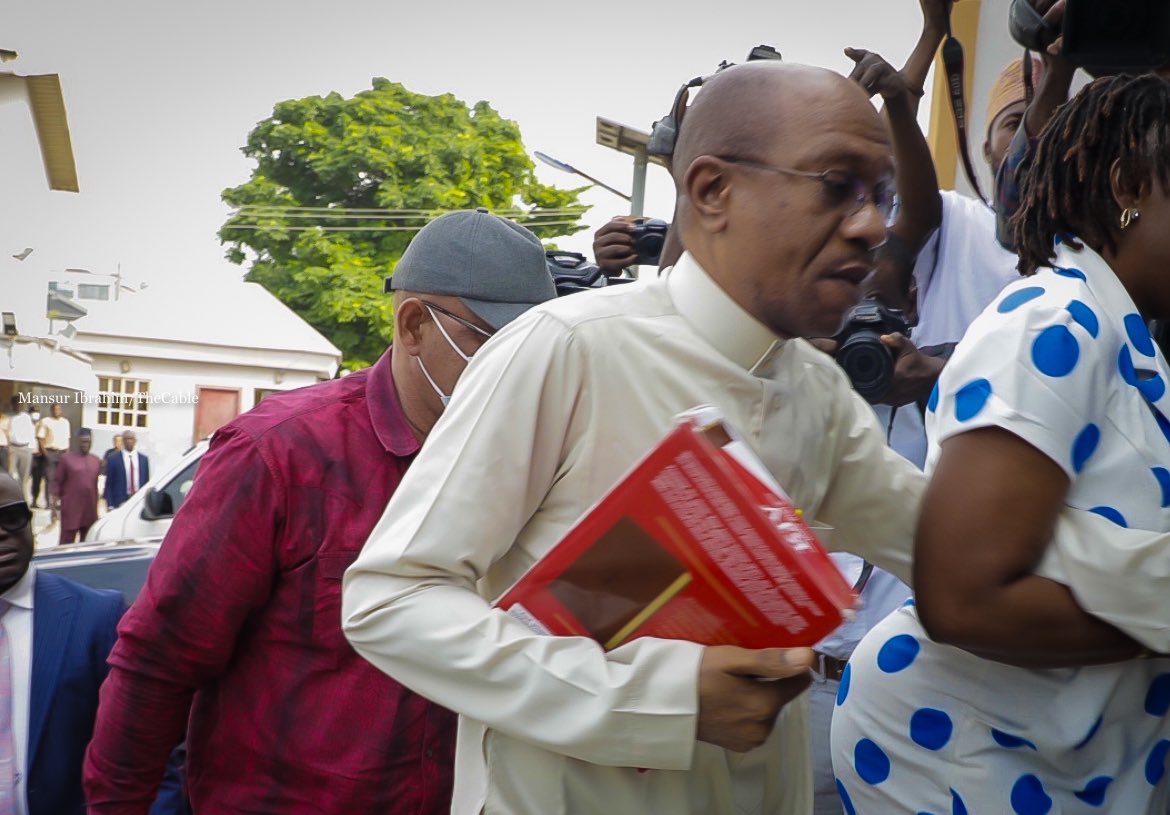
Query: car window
x=178 y=487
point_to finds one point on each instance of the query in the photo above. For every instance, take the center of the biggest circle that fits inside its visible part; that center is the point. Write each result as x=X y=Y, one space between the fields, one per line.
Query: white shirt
x=55 y=433
x=18 y=624
x=547 y=417
x=882 y=592
x=1064 y=361
x=960 y=271
x=21 y=430
x=130 y=457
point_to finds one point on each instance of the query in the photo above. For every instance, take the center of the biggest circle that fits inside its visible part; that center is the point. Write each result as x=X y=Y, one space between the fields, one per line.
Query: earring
x=1128 y=216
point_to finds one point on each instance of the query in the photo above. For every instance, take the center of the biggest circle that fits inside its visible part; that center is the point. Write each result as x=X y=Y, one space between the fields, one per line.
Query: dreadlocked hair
x=1067 y=190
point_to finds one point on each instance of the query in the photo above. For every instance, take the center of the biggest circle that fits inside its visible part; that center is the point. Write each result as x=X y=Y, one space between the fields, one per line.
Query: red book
x=696 y=542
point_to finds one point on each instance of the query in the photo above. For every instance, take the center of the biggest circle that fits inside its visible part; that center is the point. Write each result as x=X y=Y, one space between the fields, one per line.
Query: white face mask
x=444 y=398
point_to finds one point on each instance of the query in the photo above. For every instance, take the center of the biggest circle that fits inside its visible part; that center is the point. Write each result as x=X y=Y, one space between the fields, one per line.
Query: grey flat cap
x=496 y=267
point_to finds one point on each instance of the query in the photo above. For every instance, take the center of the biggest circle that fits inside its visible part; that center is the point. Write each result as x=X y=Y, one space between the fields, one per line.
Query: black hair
x=1067 y=189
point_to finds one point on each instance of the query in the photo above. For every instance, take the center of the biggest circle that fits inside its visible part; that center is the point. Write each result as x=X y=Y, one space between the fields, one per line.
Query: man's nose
x=868 y=225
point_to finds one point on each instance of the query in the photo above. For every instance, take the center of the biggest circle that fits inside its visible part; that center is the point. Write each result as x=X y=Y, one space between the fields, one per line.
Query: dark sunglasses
x=15 y=517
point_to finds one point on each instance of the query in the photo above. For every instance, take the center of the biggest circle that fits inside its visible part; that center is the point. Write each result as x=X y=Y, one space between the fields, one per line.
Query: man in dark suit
x=125 y=472
x=55 y=635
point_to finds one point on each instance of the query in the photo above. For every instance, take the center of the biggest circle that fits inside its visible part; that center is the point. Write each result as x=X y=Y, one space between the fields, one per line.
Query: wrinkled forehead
x=840 y=130
x=867 y=155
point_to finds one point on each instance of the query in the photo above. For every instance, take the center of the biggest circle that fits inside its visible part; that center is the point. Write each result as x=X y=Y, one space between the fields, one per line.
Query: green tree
x=342 y=185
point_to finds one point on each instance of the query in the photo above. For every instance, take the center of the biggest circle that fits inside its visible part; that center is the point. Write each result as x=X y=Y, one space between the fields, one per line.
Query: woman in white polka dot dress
x=1057 y=397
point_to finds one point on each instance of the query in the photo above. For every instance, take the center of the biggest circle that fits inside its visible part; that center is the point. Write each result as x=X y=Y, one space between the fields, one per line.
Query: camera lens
x=650 y=244
x=869 y=364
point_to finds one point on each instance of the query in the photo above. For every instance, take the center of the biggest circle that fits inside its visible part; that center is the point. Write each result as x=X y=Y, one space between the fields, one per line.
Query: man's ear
x=987 y=155
x=708 y=187
x=409 y=316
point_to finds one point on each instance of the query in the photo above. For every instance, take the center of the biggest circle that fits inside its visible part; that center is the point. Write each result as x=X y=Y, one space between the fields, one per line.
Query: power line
x=325 y=228
x=418 y=213
x=284 y=214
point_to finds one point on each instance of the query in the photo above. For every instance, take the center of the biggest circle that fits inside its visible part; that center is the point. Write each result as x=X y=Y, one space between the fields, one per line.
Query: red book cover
x=695 y=543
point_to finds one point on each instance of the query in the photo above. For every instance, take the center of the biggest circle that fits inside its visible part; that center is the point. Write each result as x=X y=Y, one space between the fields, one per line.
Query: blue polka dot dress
x=1063 y=360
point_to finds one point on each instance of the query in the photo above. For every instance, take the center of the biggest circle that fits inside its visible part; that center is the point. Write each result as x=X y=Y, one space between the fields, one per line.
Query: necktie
x=133 y=477
x=7 y=746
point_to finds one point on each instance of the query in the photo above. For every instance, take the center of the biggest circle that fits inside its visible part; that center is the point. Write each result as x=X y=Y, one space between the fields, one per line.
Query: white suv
x=148 y=512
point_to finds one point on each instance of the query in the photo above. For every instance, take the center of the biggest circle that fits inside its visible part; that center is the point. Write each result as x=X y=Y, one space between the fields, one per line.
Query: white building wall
x=171 y=425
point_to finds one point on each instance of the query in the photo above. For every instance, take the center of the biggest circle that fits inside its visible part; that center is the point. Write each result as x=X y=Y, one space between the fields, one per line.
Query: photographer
x=1052 y=91
x=628 y=240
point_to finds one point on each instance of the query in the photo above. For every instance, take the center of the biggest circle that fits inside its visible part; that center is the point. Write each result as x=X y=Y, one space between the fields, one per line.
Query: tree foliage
x=341 y=185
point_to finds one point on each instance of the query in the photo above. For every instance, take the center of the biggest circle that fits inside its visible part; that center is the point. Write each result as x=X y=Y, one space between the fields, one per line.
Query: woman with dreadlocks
x=1031 y=676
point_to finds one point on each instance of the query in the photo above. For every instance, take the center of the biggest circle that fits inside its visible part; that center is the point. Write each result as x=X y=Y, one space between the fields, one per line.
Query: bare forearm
x=921 y=210
x=918 y=64
x=1032 y=622
x=1051 y=94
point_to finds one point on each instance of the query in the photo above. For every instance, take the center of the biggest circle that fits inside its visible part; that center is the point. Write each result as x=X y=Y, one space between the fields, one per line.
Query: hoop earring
x=1128 y=216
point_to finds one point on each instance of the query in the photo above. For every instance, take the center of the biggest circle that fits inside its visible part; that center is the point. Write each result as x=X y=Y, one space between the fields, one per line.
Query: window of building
x=123 y=402
x=92 y=291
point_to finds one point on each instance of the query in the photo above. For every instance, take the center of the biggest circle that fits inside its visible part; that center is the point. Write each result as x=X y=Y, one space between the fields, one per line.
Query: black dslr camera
x=860 y=351
x=1101 y=36
x=649 y=237
x=572 y=273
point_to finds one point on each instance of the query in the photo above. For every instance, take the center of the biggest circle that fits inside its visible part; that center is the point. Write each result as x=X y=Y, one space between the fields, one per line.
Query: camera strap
x=1029 y=87
x=953 y=63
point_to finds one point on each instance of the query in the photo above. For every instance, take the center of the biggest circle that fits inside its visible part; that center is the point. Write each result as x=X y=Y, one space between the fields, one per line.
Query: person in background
x=111 y=452
x=962 y=268
x=75 y=490
x=54 y=638
x=5 y=429
x=1032 y=674
x=22 y=437
x=125 y=471
x=613 y=245
x=53 y=438
x=1051 y=89
x=238 y=628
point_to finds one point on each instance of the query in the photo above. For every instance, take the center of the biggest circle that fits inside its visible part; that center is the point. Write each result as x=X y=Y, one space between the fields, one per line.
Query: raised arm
x=1051 y=92
x=917 y=66
x=920 y=212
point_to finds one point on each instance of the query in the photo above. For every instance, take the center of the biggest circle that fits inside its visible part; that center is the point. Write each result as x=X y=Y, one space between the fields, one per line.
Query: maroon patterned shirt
x=238 y=628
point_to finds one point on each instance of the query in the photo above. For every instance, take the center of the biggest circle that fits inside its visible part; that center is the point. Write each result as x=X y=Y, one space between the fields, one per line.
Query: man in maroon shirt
x=75 y=492
x=236 y=636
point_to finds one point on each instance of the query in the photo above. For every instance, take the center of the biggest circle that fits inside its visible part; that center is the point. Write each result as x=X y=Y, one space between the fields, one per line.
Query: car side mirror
x=158 y=505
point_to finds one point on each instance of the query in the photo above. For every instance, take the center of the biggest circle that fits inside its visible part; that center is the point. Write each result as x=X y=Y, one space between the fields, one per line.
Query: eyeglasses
x=841 y=190
x=15 y=517
x=458 y=319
